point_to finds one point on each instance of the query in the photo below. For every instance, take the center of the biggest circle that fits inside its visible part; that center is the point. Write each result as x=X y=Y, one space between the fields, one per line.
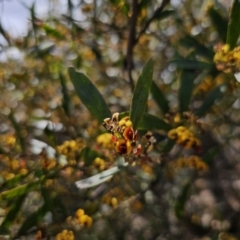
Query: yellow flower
x=105 y=140
x=123 y=147
x=85 y=220
x=80 y=212
x=99 y=163
x=65 y=235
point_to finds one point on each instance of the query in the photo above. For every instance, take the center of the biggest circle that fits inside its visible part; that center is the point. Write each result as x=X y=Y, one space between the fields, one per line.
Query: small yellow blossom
x=80 y=212
x=105 y=140
x=99 y=163
x=85 y=220
x=65 y=235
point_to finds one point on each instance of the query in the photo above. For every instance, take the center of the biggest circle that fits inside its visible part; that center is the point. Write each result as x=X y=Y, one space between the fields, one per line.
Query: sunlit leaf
x=181 y=200
x=13 y=182
x=12 y=214
x=210 y=100
x=52 y=32
x=233 y=30
x=100 y=177
x=89 y=95
x=159 y=98
x=185 y=91
x=151 y=122
x=20 y=190
x=140 y=95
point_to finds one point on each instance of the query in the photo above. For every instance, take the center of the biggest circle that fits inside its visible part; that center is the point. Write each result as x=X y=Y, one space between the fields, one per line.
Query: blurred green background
x=86 y=60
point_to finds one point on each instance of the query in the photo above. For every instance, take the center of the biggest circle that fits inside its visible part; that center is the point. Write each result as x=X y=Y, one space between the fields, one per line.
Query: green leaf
x=35 y=218
x=14 y=181
x=89 y=95
x=52 y=32
x=88 y=155
x=18 y=130
x=168 y=146
x=188 y=64
x=185 y=90
x=66 y=102
x=47 y=197
x=219 y=22
x=164 y=14
x=209 y=101
x=140 y=95
x=159 y=98
x=20 y=190
x=200 y=49
x=12 y=214
x=233 y=30
x=151 y=122
x=181 y=200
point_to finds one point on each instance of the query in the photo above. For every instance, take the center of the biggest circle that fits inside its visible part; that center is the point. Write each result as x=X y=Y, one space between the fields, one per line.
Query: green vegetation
x=123 y=125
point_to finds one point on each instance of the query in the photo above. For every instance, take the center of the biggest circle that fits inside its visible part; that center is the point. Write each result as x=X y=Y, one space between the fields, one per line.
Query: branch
x=131 y=42
x=155 y=15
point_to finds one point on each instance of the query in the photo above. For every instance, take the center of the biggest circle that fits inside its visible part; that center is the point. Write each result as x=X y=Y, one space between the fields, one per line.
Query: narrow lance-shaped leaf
x=101 y=177
x=151 y=122
x=35 y=218
x=233 y=31
x=181 y=200
x=66 y=102
x=88 y=155
x=159 y=98
x=12 y=214
x=200 y=49
x=20 y=190
x=18 y=131
x=47 y=196
x=186 y=88
x=89 y=95
x=188 y=64
x=209 y=101
x=140 y=95
x=219 y=22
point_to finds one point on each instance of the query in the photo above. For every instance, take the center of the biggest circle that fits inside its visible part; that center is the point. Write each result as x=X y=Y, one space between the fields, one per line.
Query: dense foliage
x=123 y=124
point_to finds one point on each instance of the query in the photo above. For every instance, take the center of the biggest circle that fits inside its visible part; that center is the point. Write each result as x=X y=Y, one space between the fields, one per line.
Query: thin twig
x=131 y=42
x=155 y=15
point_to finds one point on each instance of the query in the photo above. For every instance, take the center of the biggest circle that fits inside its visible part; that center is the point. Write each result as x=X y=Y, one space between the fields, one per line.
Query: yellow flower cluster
x=83 y=219
x=48 y=163
x=193 y=162
x=105 y=140
x=12 y=167
x=71 y=149
x=113 y=197
x=226 y=60
x=99 y=163
x=184 y=137
x=123 y=134
x=7 y=140
x=65 y=235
